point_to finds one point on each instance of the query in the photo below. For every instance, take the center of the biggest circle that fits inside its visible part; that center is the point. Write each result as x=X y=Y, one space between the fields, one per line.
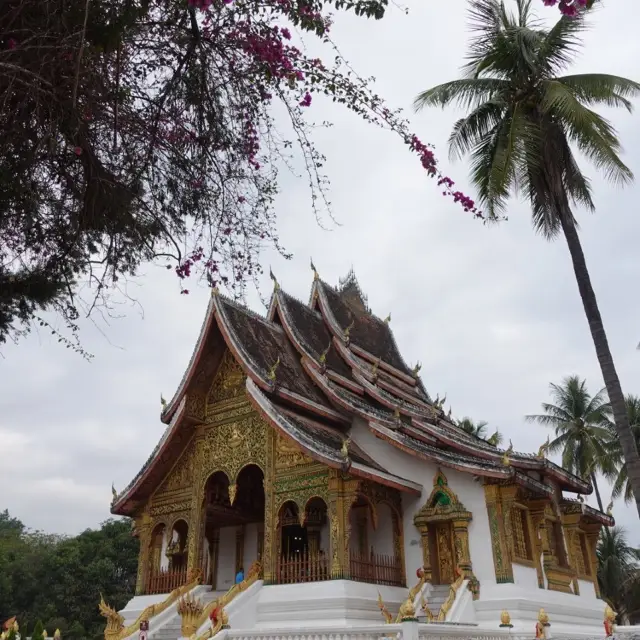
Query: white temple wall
x=250 y=545
x=525 y=576
x=381 y=539
x=587 y=590
x=226 y=571
x=470 y=493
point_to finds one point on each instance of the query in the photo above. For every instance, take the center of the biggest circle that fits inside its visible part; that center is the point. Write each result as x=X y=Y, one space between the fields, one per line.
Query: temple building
x=303 y=447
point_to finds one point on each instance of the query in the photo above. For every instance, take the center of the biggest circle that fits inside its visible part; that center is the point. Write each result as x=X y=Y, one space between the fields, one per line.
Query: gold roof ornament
x=163 y=402
x=272 y=372
x=407 y=612
x=610 y=508
x=347 y=331
x=416 y=370
x=388 y=618
x=544 y=448
x=57 y=635
x=114 y=493
x=344 y=449
x=505 y=458
x=276 y=285
x=315 y=271
x=376 y=365
x=324 y=354
x=215 y=291
x=387 y=320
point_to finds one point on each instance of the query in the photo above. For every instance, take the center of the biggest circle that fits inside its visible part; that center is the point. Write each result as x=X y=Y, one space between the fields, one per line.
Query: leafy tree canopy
x=133 y=131
x=58 y=580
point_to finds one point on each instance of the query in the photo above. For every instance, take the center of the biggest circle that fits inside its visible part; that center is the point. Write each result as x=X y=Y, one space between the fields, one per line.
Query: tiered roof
x=311 y=368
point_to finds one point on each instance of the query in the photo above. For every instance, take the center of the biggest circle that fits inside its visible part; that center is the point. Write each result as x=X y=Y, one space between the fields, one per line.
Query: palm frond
x=468 y=132
x=602 y=88
x=560 y=45
x=467 y=93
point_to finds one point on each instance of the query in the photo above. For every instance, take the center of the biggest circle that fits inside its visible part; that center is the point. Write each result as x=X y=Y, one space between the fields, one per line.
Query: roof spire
x=276 y=286
x=416 y=370
x=387 y=320
x=347 y=331
x=315 y=272
x=323 y=355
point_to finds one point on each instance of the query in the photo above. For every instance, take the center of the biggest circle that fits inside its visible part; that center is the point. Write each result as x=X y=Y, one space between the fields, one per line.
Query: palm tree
x=582 y=430
x=480 y=430
x=524 y=123
x=622 y=486
x=618 y=571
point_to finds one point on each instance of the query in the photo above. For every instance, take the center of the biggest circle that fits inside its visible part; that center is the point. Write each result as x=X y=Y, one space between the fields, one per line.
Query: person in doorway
x=240 y=575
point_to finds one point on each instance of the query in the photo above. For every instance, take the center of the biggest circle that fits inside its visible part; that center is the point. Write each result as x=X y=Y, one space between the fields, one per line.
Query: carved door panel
x=444 y=551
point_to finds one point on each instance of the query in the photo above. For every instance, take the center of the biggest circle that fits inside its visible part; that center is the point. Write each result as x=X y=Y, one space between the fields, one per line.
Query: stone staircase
x=439 y=593
x=171 y=630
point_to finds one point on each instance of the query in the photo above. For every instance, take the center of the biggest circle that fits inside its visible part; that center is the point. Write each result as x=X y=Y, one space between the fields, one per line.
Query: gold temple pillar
x=342 y=494
x=240 y=548
x=501 y=555
x=593 y=534
x=196 y=529
x=507 y=498
x=270 y=525
x=571 y=526
x=426 y=554
x=541 y=538
x=143 y=527
x=461 y=544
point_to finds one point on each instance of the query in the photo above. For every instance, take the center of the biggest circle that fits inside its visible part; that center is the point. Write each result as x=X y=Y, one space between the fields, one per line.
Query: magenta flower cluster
x=569 y=8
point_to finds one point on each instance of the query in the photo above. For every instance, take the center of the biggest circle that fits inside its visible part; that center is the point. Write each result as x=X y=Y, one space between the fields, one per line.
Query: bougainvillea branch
x=569 y=8
x=146 y=132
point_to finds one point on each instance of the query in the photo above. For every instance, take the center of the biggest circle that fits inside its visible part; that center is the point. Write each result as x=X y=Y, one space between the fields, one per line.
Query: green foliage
x=38 y=631
x=58 y=580
x=622 y=486
x=618 y=572
x=479 y=430
x=583 y=432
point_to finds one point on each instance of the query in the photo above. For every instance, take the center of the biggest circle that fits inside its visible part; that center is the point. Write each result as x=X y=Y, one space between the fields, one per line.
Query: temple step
x=439 y=593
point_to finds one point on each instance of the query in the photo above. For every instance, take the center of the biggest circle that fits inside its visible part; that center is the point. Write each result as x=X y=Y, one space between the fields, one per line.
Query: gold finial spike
x=233 y=489
x=114 y=493
x=344 y=450
x=544 y=448
x=215 y=291
x=387 y=320
x=315 y=272
x=416 y=369
x=347 y=331
x=163 y=402
x=506 y=461
x=324 y=354
x=610 y=509
x=272 y=372
x=276 y=286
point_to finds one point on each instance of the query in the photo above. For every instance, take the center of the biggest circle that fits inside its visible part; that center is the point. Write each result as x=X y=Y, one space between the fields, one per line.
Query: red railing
x=166 y=581
x=376 y=568
x=302 y=567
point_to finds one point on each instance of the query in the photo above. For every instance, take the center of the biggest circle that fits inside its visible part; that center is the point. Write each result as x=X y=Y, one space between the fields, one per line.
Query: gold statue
x=190 y=610
x=115 y=621
x=272 y=372
x=163 y=402
x=609 y=621
x=407 y=610
x=505 y=619
x=388 y=618
x=544 y=448
x=541 y=625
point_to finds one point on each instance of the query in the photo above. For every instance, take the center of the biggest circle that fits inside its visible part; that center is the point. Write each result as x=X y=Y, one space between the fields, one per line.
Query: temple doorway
x=442 y=551
x=234 y=525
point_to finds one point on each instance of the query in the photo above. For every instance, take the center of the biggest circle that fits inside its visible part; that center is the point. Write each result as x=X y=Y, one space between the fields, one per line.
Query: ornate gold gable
x=441 y=508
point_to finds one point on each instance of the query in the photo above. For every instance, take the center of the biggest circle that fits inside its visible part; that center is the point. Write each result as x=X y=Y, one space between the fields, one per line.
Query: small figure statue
x=609 y=621
x=144 y=630
x=541 y=625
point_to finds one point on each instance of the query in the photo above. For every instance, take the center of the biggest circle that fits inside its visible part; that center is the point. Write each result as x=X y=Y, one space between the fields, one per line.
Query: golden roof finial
x=505 y=458
x=544 y=448
x=324 y=354
x=114 y=493
x=272 y=372
x=347 y=331
x=215 y=291
x=376 y=365
x=315 y=272
x=610 y=508
x=163 y=402
x=416 y=369
x=276 y=286
x=387 y=320
x=344 y=449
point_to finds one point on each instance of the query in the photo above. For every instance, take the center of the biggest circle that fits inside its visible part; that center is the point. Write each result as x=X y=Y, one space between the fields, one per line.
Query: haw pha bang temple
x=304 y=451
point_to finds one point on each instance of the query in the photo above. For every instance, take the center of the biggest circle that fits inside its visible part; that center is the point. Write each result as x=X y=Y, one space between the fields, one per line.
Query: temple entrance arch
x=233 y=524
x=443 y=523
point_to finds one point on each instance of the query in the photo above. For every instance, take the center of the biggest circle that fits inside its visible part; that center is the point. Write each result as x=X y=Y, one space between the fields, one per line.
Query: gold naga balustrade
x=453 y=590
x=115 y=629
x=407 y=608
x=253 y=575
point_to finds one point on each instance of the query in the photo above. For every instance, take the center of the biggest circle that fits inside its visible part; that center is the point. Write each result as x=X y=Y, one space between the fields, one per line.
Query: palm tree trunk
x=609 y=373
x=594 y=482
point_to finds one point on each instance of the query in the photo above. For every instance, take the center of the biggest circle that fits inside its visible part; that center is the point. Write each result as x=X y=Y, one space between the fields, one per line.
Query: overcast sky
x=493 y=313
